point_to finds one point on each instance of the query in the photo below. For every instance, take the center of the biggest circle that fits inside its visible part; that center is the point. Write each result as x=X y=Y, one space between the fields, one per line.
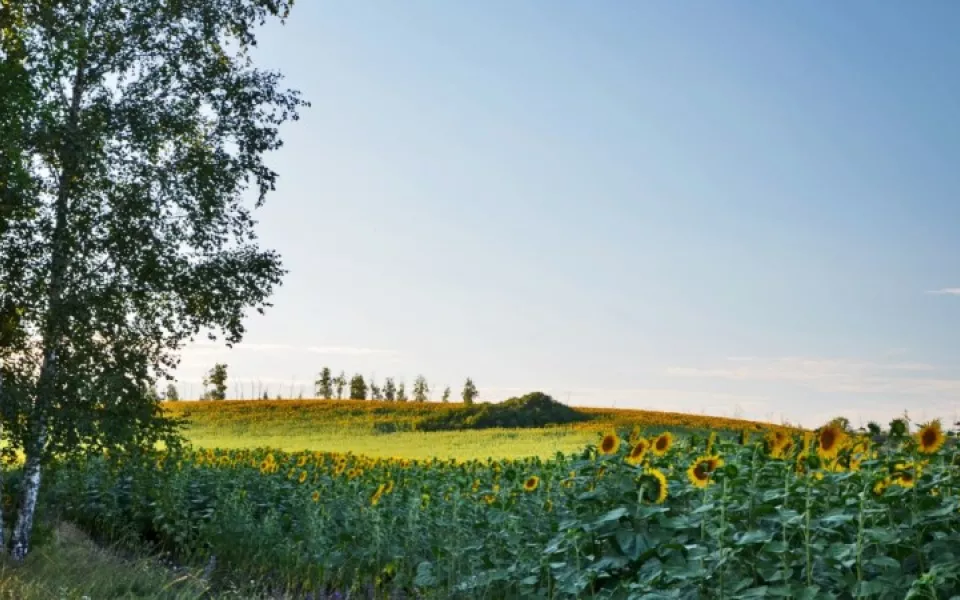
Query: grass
x=71 y=566
x=354 y=426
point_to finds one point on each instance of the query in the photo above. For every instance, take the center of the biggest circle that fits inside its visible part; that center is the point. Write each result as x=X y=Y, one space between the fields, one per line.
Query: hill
x=397 y=428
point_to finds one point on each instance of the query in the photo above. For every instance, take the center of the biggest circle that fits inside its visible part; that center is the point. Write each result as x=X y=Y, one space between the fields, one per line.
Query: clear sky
x=738 y=208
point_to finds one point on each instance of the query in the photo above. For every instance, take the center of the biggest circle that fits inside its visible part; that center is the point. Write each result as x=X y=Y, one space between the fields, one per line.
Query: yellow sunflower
x=375 y=498
x=881 y=485
x=658 y=481
x=930 y=438
x=662 y=444
x=831 y=438
x=315 y=496
x=700 y=471
x=531 y=483
x=906 y=475
x=609 y=444
x=302 y=477
x=638 y=452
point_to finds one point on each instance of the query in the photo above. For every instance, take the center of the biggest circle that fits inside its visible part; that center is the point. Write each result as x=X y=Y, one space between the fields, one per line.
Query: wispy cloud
x=954 y=291
x=831 y=375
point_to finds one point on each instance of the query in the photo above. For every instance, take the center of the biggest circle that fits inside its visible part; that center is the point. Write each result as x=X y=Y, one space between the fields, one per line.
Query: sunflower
x=635 y=434
x=881 y=485
x=700 y=470
x=315 y=496
x=930 y=438
x=658 y=481
x=302 y=477
x=831 y=438
x=388 y=488
x=662 y=444
x=609 y=444
x=638 y=452
x=375 y=498
x=302 y=460
x=698 y=474
x=906 y=475
x=531 y=483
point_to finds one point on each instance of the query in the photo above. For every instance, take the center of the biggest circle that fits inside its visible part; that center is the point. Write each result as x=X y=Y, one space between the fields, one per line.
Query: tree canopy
x=132 y=143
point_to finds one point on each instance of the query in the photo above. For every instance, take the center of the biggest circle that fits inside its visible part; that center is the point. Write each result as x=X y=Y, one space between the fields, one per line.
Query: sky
x=738 y=208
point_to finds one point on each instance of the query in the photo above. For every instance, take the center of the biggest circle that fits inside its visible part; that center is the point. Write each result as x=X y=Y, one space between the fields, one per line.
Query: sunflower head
x=638 y=452
x=315 y=496
x=609 y=444
x=701 y=470
x=656 y=482
x=831 y=438
x=531 y=483
x=302 y=477
x=905 y=474
x=662 y=444
x=930 y=438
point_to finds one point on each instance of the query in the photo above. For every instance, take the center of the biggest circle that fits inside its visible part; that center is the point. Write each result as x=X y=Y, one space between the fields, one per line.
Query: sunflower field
x=824 y=514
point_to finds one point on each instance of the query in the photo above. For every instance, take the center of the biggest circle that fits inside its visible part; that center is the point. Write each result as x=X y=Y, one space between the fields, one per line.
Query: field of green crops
x=827 y=514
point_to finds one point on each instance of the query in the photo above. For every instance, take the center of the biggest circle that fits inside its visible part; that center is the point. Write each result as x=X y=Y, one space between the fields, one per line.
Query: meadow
x=641 y=511
x=388 y=429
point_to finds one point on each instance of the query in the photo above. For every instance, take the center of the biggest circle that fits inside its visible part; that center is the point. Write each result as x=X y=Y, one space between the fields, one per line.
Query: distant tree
x=216 y=381
x=324 y=384
x=421 y=390
x=340 y=381
x=470 y=392
x=266 y=396
x=401 y=393
x=375 y=392
x=874 y=428
x=358 y=388
x=899 y=428
x=446 y=394
x=389 y=390
x=171 y=394
x=843 y=423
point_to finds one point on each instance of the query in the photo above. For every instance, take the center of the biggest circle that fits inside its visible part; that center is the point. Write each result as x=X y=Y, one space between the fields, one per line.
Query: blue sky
x=730 y=208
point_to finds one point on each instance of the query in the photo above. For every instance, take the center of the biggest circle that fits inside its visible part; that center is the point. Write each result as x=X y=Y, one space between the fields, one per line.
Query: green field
x=357 y=427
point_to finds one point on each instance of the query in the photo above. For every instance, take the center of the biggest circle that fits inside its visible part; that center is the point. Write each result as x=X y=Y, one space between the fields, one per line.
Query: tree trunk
x=53 y=327
x=31 y=489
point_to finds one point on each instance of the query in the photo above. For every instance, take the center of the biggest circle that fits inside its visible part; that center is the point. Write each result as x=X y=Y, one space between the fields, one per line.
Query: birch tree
x=128 y=182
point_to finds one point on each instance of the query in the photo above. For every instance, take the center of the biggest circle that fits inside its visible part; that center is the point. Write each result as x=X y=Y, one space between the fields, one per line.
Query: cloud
x=955 y=291
x=831 y=375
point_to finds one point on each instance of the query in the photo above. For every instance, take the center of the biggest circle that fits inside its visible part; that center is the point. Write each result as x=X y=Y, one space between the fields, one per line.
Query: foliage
x=171 y=394
x=324 y=384
x=216 y=379
x=770 y=519
x=421 y=390
x=358 y=388
x=126 y=226
x=446 y=394
x=469 y=393
x=401 y=392
x=340 y=382
x=389 y=390
x=532 y=410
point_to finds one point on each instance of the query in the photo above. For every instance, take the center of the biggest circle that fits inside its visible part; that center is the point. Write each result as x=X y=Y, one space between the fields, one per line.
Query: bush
x=532 y=410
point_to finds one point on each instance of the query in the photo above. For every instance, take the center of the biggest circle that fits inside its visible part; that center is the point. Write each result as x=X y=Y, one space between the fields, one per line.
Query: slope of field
x=388 y=429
